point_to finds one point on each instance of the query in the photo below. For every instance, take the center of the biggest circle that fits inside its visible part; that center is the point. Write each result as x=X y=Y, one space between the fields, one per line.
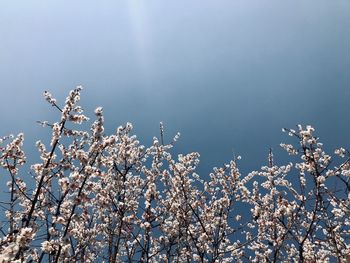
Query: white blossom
x=106 y=197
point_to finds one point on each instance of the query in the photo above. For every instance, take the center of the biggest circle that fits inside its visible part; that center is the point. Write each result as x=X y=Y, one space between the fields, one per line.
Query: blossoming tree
x=107 y=198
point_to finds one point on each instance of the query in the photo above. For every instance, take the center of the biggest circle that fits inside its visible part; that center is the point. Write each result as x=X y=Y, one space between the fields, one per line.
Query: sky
x=227 y=74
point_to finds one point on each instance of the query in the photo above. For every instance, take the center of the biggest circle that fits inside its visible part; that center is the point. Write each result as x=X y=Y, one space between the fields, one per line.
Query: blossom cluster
x=107 y=198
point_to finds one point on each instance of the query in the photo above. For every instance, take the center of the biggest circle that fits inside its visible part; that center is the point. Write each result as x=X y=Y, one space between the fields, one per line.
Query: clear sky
x=227 y=74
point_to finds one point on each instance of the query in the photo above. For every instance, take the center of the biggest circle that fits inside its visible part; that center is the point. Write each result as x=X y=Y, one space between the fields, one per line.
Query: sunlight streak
x=141 y=35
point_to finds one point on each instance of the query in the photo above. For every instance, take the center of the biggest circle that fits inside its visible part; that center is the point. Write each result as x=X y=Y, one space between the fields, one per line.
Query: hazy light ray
x=141 y=35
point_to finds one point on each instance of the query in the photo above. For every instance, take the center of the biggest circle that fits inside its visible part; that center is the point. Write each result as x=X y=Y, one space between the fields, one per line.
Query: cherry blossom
x=97 y=197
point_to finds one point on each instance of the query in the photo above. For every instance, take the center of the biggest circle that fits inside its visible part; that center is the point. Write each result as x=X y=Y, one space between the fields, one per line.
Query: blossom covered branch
x=107 y=198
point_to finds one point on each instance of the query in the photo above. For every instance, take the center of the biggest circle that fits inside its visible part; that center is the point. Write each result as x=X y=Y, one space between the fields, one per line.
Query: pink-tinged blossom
x=108 y=198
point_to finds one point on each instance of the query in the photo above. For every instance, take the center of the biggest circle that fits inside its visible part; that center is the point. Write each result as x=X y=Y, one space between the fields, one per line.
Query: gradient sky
x=227 y=74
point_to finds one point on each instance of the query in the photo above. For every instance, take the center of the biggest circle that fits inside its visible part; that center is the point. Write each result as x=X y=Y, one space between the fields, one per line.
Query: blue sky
x=227 y=74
